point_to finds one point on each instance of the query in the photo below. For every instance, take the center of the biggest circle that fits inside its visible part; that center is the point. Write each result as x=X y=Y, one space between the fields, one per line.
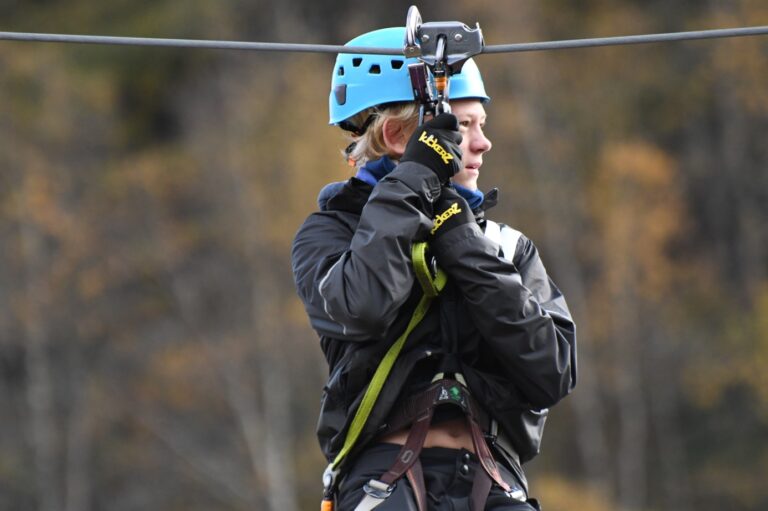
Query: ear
x=395 y=137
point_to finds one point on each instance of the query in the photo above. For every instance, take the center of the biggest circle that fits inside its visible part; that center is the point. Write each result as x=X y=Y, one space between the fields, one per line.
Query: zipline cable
x=631 y=39
x=193 y=43
x=327 y=48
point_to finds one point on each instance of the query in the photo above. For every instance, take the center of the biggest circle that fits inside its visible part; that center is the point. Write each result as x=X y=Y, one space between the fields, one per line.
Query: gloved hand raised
x=436 y=145
x=451 y=211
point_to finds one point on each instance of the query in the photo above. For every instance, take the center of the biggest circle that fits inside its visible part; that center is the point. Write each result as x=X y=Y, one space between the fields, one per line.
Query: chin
x=466 y=183
x=467 y=178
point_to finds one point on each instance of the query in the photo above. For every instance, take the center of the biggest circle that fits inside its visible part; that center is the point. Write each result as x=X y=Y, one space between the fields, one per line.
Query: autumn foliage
x=153 y=354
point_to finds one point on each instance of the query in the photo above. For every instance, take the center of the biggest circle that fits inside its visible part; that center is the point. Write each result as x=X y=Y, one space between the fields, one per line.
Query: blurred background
x=153 y=354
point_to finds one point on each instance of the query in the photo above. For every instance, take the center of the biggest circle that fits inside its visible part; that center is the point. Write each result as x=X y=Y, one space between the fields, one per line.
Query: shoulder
x=350 y=196
x=326 y=228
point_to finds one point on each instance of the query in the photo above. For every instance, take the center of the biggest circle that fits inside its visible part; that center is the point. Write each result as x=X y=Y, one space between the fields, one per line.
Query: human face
x=471 y=116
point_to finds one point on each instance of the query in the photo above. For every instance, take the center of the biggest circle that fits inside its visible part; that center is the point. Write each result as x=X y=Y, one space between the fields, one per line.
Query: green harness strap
x=431 y=286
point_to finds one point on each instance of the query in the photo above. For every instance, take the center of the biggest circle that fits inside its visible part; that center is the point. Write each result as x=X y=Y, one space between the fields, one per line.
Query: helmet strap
x=348 y=126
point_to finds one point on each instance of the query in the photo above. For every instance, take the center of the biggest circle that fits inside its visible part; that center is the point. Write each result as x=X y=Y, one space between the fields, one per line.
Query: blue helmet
x=363 y=81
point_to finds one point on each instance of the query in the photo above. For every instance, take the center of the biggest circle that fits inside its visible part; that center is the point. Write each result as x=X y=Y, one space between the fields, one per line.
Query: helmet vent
x=375 y=69
x=357 y=61
x=341 y=71
x=397 y=64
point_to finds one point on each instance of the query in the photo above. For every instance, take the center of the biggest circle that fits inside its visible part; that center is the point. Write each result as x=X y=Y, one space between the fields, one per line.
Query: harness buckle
x=378 y=490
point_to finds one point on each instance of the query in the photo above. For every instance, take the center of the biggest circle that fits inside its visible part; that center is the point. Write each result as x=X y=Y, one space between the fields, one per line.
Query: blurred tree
x=153 y=354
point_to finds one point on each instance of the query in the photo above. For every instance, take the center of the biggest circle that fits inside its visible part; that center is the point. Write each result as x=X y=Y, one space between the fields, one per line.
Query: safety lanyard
x=431 y=285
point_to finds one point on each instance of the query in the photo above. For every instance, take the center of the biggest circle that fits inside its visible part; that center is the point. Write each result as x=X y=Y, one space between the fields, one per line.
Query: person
x=492 y=351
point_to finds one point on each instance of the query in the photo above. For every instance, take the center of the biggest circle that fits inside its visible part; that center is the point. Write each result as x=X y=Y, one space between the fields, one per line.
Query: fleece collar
x=373 y=171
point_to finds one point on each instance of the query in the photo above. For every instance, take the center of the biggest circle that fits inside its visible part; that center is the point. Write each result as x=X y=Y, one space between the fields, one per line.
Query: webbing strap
x=434 y=286
x=430 y=285
x=415 y=476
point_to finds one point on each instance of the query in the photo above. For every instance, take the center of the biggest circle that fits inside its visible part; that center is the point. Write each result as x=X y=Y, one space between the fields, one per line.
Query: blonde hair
x=370 y=146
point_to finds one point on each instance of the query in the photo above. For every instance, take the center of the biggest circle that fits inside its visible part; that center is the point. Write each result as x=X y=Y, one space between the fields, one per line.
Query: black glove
x=451 y=211
x=436 y=145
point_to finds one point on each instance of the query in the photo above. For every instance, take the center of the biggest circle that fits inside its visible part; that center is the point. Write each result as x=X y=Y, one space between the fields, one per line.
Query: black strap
x=348 y=126
x=481 y=488
x=415 y=476
x=412 y=407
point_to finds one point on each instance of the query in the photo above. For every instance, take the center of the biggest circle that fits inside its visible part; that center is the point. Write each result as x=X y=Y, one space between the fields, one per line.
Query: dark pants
x=448 y=476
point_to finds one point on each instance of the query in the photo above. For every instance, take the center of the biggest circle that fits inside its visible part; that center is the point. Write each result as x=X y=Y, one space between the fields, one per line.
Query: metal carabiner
x=441 y=75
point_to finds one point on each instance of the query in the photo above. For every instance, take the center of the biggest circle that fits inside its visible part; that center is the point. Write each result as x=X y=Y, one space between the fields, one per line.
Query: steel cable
x=193 y=43
x=327 y=48
x=631 y=39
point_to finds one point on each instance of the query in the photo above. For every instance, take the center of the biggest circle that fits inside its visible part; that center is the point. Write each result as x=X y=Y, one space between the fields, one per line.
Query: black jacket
x=510 y=325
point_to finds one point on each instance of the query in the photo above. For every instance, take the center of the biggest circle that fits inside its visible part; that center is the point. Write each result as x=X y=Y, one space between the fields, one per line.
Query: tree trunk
x=78 y=482
x=276 y=396
x=40 y=393
x=633 y=415
x=664 y=419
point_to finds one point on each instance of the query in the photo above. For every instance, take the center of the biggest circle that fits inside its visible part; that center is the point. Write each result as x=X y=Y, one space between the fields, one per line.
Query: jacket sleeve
x=520 y=313
x=353 y=282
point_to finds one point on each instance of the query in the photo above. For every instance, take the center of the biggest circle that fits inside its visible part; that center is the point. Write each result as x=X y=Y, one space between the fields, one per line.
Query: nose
x=480 y=143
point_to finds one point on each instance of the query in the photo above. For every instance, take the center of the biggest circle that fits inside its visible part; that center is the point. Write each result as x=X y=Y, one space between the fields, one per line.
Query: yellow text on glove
x=431 y=141
x=445 y=215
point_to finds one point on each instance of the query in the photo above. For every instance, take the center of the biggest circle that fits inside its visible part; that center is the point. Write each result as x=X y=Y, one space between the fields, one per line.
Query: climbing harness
x=417 y=412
